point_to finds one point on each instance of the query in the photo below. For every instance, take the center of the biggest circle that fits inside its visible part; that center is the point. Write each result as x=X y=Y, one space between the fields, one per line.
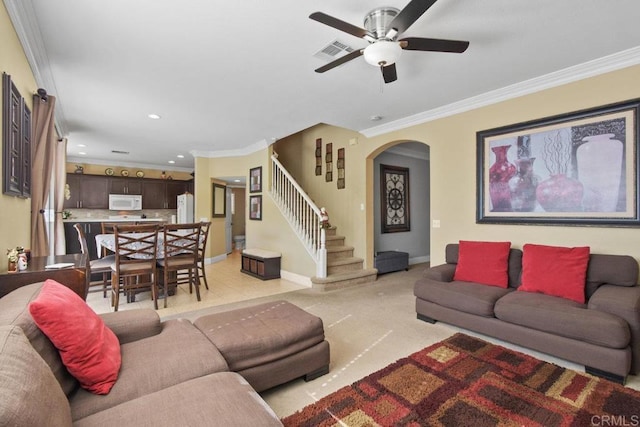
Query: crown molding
x=255 y=147
x=25 y=24
x=84 y=160
x=616 y=61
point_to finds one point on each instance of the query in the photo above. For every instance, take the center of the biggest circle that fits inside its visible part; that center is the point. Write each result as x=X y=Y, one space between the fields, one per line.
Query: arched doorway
x=412 y=157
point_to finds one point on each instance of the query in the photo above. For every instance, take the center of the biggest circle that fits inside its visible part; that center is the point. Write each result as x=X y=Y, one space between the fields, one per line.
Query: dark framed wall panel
x=16 y=141
x=394 y=199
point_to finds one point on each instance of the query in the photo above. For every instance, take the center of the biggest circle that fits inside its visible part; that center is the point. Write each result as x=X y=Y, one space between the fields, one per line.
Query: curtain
x=44 y=144
x=59 y=180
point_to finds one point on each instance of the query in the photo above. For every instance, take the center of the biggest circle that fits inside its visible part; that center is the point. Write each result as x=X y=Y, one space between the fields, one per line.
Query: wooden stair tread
x=339 y=248
x=349 y=275
x=344 y=261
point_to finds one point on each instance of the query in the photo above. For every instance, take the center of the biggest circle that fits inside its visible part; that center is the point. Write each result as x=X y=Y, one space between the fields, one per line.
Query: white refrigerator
x=185 y=208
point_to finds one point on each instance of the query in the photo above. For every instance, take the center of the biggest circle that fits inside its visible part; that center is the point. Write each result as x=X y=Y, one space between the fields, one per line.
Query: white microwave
x=125 y=202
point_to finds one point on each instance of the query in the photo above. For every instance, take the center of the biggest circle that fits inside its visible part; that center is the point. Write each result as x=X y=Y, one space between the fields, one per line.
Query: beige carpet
x=368 y=327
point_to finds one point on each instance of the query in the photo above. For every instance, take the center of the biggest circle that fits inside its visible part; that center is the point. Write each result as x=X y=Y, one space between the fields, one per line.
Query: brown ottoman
x=269 y=344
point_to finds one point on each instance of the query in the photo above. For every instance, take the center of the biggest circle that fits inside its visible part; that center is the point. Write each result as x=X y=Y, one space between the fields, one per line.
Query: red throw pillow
x=555 y=270
x=483 y=262
x=88 y=348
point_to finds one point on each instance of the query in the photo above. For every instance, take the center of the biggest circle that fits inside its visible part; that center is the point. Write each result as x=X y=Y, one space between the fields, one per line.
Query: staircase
x=336 y=266
x=343 y=269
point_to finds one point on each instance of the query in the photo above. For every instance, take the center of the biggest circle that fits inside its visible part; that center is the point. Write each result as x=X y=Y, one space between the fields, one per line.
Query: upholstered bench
x=388 y=261
x=269 y=344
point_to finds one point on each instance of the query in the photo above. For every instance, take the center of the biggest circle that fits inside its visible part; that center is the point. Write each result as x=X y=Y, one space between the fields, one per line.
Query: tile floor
x=226 y=285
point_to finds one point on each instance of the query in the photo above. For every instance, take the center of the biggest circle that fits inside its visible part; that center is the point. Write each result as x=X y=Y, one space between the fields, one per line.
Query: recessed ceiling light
x=180 y=156
x=236 y=180
x=375 y=118
x=82 y=153
x=172 y=161
x=81 y=145
x=154 y=116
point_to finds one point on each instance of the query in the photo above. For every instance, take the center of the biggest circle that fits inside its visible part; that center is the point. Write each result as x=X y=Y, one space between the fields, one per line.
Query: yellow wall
x=15 y=219
x=272 y=233
x=297 y=154
x=452 y=154
x=452 y=142
x=453 y=168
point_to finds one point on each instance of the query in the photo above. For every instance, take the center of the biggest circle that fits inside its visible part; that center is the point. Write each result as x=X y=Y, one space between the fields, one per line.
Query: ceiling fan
x=382 y=27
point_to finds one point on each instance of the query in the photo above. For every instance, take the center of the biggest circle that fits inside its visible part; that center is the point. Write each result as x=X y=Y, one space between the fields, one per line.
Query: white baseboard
x=296 y=278
x=215 y=259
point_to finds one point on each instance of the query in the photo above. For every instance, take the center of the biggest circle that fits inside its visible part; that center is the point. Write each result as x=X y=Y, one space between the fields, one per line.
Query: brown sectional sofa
x=603 y=334
x=171 y=372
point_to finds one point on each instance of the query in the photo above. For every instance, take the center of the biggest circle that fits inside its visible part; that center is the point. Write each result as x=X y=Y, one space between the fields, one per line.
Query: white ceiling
x=230 y=77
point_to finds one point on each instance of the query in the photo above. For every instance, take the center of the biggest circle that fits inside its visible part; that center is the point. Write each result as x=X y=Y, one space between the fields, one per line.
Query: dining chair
x=108 y=228
x=182 y=277
x=204 y=235
x=96 y=266
x=134 y=269
x=180 y=248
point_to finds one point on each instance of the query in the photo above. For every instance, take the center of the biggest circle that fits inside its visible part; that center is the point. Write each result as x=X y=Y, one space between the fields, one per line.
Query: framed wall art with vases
x=579 y=168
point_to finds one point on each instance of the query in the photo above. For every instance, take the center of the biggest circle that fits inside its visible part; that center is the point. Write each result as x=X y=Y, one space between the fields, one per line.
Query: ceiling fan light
x=382 y=53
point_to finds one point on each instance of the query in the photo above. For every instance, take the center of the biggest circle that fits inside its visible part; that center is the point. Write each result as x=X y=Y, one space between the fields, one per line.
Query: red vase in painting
x=559 y=193
x=499 y=175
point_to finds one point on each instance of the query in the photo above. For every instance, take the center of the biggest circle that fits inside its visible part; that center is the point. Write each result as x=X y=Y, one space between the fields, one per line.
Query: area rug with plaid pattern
x=465 y=381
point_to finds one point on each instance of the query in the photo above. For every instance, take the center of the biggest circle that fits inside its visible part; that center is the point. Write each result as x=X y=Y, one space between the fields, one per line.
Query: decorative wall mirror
x=219 y=201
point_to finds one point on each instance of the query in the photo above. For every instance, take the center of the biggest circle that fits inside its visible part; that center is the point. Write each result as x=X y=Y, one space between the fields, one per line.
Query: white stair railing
x=302 y=214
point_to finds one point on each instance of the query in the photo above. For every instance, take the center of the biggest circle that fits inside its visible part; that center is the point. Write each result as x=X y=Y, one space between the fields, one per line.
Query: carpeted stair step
x=335 y=253
x=344 y=280
x=344 y=264
x=331 y=231
x=334 y=241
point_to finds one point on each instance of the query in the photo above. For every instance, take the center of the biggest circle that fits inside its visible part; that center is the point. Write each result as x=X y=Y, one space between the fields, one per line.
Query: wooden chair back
x=82 y=238
x=136 y=243
x=134 y=270
x=179 y=262
x=182 y=240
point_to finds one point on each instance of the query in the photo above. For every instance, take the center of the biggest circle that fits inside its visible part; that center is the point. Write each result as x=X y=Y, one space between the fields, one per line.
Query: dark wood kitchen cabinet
x=153 y=194
x=162 y=194
x=87 y=191
x=125 y=186
x=92 y=191
x=174 y=189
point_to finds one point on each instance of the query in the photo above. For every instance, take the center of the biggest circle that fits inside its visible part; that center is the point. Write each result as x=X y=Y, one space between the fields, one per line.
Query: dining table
x=108 y=241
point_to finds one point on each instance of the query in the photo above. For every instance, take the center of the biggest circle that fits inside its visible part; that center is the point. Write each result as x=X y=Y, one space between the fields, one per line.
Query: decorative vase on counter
x=559 y=193
x=600 y=171
x=523 y=186
x=22 y=261
x=499 y=175
x=12 y=267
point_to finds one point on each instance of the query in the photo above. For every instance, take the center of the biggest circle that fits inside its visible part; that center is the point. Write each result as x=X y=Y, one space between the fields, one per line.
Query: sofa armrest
x=623 y=302
x=133 y=325
x=441 y=273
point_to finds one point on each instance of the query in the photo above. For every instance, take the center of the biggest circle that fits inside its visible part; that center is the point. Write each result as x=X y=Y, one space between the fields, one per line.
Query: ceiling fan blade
x=434 y=45
x=339 y=24
x=389 y=73
x=340 y=61
x=410 y=14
